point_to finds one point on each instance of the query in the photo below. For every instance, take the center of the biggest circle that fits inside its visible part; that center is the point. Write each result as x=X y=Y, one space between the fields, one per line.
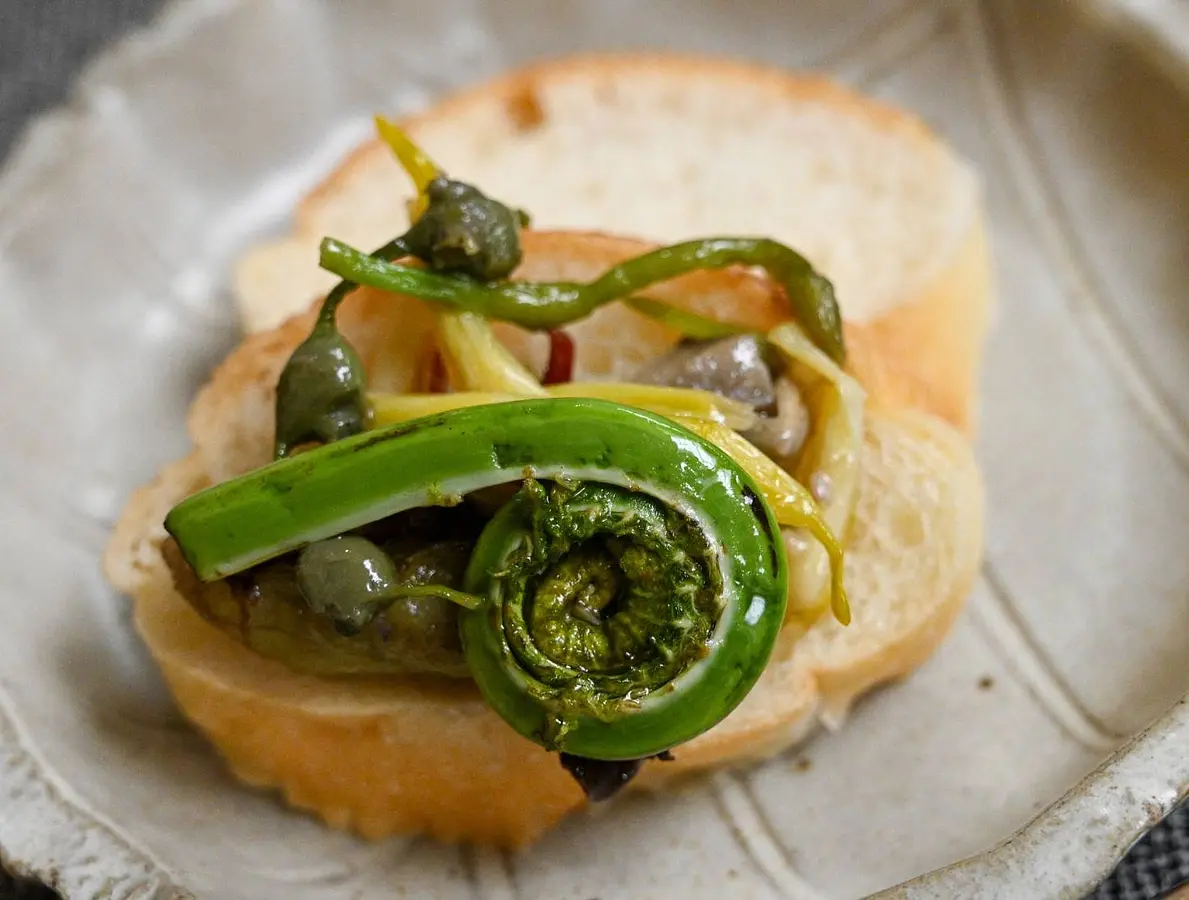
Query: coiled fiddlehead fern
x=631 y=591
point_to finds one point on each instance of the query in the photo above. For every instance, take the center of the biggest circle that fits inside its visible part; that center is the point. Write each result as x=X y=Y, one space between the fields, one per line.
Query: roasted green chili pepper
x=546 y=305
x=634 y=587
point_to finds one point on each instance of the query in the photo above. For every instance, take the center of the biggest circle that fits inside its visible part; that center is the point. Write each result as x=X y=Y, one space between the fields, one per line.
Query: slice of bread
x=384 y=756
x=668 y=147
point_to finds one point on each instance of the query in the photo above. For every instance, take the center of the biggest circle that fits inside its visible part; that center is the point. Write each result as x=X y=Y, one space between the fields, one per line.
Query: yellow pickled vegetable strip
x=420 y=168
x=476 y=360
x=835 y=402
x=667 y=401
x=673 y=403
x=829 y=461
x=389 y=409
x=794 y=507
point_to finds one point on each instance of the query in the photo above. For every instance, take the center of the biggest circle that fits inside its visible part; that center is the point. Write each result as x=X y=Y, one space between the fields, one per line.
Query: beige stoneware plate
x=119 y=217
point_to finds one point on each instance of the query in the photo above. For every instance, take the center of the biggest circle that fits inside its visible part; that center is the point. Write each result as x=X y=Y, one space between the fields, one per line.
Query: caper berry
x=321 y=394
x=427 y=624
x=348 y=579
x=463 y=231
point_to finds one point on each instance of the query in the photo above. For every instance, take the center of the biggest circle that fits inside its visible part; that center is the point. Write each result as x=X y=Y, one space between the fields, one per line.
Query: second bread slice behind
x=665 y=148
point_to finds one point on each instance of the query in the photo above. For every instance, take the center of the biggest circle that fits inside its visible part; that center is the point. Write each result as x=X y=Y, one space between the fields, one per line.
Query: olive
x=463 y=231
x=348 y=579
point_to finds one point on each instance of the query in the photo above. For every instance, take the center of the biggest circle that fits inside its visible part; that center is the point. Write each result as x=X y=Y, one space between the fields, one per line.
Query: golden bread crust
x=385 y=756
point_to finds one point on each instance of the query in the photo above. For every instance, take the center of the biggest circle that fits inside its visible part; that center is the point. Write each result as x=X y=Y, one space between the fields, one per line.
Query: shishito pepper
x=631 y=591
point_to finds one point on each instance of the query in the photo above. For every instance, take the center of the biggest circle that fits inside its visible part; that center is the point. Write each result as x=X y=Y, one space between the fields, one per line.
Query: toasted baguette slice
x=384 y=756
x=665 y=148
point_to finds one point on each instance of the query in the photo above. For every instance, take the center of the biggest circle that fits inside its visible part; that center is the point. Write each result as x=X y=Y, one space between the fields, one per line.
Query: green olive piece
x=633 y=589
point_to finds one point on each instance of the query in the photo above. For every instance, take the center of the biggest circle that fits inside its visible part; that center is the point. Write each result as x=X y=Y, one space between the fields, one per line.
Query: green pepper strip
x=439 y=591
x=394 y=249
x=633 y=599
x=547 y=305
x=691 y=325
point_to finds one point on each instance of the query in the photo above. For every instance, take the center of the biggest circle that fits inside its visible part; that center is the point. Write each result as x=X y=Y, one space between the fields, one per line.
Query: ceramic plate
x=118 y=220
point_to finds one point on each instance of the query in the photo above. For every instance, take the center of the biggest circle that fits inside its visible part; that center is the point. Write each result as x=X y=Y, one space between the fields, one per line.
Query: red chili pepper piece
x=561 y=359
x=439 y=381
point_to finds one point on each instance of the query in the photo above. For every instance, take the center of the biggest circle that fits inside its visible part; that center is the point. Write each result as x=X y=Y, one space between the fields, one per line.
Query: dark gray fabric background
x=44 y=43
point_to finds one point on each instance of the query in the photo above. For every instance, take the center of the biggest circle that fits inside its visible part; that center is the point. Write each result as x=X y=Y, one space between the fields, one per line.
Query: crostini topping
x=618 y=558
